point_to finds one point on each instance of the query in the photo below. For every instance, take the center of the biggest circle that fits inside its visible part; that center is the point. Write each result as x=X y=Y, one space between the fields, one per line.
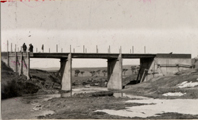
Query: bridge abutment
x=18 y=61
x=114 y=72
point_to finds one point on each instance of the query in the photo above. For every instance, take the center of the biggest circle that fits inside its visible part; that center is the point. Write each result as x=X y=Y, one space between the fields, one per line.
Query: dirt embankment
x=13 y=85
x=184 y=82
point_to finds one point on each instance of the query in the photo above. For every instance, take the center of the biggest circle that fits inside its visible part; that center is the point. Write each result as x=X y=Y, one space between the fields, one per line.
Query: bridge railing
x=19 y=48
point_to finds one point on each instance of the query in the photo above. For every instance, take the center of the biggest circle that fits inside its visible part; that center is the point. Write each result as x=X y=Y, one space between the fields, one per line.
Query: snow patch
x=155 y=107
x=187 y=84
x=174 y=94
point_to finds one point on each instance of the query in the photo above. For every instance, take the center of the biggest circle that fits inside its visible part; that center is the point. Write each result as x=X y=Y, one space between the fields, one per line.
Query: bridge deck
x=91 y=55
x=98 y=55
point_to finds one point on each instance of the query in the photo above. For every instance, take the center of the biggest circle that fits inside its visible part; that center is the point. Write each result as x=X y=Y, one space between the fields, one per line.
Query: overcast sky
x=162 y=26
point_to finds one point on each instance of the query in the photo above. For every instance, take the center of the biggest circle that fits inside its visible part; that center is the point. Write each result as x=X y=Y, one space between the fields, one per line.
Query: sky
x=163 y=26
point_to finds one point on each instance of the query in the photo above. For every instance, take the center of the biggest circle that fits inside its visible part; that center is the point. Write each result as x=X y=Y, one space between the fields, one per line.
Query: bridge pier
x=66 y=74
x=25 y=64
x=114 y=71
x=145 y=67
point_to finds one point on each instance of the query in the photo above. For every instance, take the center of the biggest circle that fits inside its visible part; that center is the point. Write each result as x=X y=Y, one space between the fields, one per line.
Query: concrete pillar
x=114 y=72
x=26 y=65
x=66 y=73
x=145 y=66
x=20 y=62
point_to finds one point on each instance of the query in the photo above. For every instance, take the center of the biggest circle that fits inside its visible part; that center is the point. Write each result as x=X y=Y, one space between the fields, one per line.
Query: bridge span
x=151 y=65
x=91 y=55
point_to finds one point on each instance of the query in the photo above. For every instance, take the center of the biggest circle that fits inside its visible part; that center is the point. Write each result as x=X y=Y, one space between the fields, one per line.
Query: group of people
x=30 y=47
x=25 y=47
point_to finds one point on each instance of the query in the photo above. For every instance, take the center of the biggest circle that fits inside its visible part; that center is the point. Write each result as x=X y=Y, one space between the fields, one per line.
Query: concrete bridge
x=151 y=65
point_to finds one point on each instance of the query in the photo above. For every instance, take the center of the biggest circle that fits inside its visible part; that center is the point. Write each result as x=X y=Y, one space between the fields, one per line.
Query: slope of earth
x=14 y=85
x=183 y=84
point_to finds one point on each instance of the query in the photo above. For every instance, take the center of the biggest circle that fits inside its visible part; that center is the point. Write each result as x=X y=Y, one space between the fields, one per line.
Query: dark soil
x=84 y=107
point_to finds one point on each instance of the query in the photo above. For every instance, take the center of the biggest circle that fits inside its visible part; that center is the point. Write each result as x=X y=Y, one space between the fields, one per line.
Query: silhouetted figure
x=30 y=47
x=24 y=47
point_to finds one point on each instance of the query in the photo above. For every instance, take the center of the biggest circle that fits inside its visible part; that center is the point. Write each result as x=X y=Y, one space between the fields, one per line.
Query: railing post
x=56 y=48
x=11 y=47
x=132 y=49
x=70 y=48
x=120 y=49
x=96 y=49
x=7 y=46
x=15 y=48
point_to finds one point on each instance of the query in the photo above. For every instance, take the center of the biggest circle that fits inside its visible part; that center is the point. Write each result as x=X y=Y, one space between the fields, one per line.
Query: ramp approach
x=151 y=65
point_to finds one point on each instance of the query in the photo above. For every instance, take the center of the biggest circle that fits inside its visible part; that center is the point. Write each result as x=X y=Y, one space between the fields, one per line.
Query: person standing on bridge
x=42 y=47
x=24 y=47
x=31 y=48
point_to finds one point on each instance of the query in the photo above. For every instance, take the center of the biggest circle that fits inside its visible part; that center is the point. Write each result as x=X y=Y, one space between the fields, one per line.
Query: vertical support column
x=66 y=73
x=115 y=73
x=20 y=63
x=16 y=61
x=26 y=65
x=145 y=66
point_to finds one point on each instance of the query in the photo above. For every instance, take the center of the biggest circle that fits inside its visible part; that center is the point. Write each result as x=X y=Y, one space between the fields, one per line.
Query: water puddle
x=174 y=94
x=155 y=107
x=117 y=95
x=45 y=112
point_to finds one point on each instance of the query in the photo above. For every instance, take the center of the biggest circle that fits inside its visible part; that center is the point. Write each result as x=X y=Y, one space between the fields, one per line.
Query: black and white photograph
x=99 y=59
